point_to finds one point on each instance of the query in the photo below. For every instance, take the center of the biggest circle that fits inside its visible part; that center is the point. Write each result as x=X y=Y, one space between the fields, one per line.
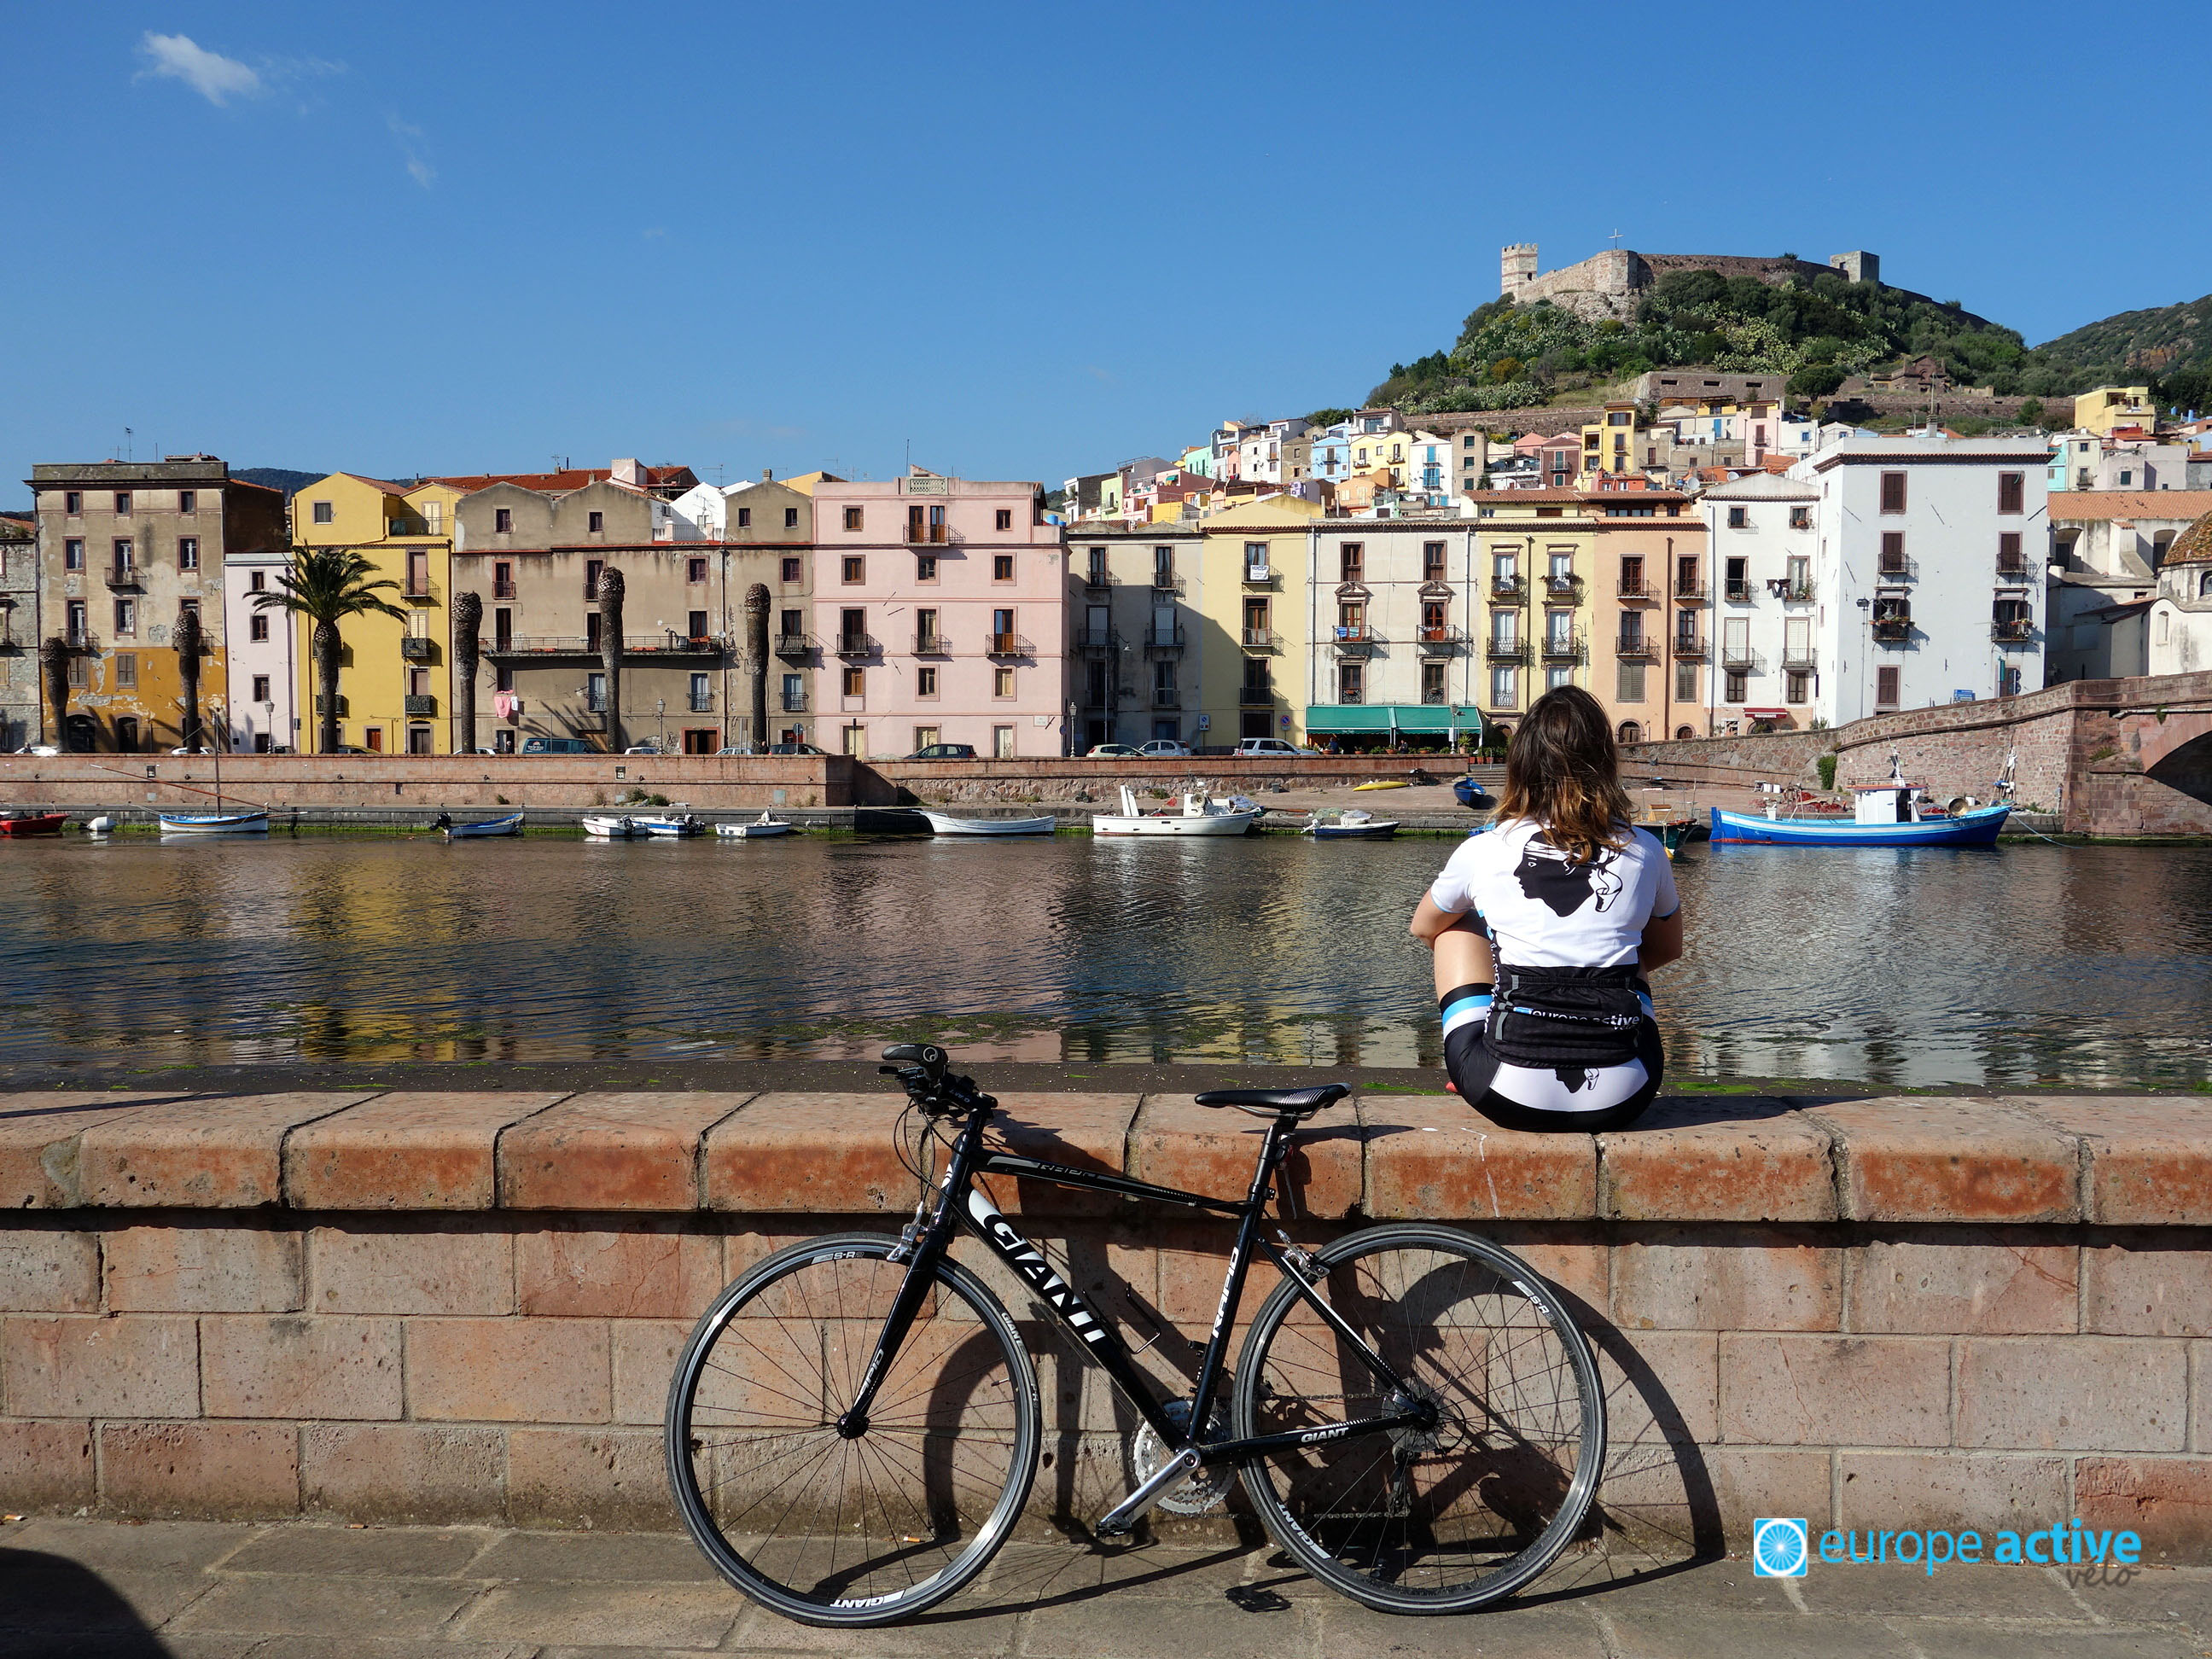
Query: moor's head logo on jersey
x=1563 y=886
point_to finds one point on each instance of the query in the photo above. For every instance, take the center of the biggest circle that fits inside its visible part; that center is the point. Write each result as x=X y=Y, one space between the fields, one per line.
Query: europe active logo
x=1783 y=1548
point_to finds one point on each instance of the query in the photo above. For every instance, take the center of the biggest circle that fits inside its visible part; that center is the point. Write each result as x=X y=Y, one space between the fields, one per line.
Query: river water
x=2012 y=967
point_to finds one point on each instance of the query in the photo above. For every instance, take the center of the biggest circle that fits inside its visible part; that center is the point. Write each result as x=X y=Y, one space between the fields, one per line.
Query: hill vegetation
x=2170 y=346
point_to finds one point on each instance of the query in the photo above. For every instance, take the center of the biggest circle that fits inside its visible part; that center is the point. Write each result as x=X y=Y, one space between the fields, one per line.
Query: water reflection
x=2014 y=967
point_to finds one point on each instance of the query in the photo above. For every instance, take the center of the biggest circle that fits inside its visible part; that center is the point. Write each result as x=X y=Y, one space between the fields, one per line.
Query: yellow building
x=394 y=678
x=1609 y=443
x=2109 y=406
x=1253 y=617
x=1535 y=550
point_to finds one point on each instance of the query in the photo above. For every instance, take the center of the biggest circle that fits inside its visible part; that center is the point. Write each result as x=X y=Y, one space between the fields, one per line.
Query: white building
x=1396 y=635
x=2180 y=621
x=1765 y=563
x=261 y=648
x=1929 y=566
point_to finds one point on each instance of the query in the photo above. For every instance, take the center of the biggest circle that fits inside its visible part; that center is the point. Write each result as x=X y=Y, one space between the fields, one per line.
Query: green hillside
x=2169 y=345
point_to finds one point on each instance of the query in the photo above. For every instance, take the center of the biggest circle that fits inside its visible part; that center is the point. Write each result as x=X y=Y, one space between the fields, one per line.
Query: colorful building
x=1253 y=618
x=1536 y=549
x=1395 y=607
x=1649 y=602
x=1134 y=644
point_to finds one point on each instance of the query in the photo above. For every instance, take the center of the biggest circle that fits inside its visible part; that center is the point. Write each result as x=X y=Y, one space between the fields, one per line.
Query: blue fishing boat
x=1471 y=795
x=1886 y=814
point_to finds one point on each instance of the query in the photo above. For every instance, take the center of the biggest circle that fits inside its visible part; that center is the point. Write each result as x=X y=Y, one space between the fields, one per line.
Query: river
x=2018 y=966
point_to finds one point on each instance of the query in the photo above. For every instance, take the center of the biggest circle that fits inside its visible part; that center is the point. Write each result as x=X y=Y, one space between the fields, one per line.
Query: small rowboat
x=1350 y=825
x=671 y=827
x=1472 y=795
x=1380 y=783
x=945 y=824
x=759 y=829
x=509 y=825
x=602 y=827
x=15 y=825
x=215 y=823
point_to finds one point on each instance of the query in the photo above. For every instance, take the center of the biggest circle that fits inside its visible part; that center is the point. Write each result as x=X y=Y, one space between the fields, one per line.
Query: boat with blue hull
x=1977 y=828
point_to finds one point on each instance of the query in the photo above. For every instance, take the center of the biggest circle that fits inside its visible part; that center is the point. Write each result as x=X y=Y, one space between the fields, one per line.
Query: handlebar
x=921 y=1067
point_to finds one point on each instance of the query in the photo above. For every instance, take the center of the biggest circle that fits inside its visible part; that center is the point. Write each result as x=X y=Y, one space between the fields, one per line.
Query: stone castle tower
x=1516 y=269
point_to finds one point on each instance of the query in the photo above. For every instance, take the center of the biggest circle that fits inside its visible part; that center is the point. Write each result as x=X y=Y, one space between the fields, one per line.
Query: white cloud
x=214 y=77
x=413 y=147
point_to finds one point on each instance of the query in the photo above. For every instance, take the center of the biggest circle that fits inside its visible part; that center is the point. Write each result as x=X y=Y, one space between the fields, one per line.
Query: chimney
x=767 y=475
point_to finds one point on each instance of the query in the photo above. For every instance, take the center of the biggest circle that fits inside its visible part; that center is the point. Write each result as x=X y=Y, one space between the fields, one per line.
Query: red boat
x=31 y=824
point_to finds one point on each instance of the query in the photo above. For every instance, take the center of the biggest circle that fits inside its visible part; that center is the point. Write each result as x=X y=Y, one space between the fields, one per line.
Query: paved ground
x=77 y=1590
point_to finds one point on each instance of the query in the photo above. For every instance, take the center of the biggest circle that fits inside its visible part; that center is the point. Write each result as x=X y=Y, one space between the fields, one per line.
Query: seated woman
x=1543 y=929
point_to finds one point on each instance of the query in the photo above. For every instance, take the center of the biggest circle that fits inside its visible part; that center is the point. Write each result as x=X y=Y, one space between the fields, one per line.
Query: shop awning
x=1386 y=717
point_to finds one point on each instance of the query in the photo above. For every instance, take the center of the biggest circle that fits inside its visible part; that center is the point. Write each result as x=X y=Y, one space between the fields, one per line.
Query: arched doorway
x=81 y=734
x=1684 y=733
x=1630 y=731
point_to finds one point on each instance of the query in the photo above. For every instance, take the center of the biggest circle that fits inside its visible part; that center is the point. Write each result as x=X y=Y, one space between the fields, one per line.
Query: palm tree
x=610 y=651
x=188 y=671
x=468 y=632
x=326 y=585
x=54 y=656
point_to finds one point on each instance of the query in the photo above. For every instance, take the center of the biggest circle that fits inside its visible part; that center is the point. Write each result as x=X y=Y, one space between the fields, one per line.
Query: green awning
x=1385 y=717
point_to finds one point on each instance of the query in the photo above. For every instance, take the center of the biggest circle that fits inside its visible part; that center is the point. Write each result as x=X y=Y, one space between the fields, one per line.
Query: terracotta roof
x=2087 y=504
x=548 y=484
x=384 y=484
x=2194 y=545
x=1551 y=495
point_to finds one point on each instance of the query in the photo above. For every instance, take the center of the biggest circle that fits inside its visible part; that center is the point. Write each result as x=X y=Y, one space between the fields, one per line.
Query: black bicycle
x=853 y=1428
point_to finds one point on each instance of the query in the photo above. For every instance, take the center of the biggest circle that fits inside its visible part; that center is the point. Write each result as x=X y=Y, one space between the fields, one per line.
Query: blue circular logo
x=1778 y=1549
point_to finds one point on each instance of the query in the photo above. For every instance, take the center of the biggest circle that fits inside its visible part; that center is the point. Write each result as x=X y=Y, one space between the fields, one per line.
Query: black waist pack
x=1553 y=1016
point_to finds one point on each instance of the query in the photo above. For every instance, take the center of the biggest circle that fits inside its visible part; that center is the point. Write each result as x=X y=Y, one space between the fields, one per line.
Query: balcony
x=1637 y=590
x=1169 y=698
x=2014 y=630
x=2013 y=572
x=1260 y=575
x=794 y=702
x=1355 y=639
x=1508 y=587
x=1893 y=630
x=417 y=650
x=419 y=703
x=123 y=576
x=1791 y=592
x=83 y=639
x=1262 y=639
x=929 y=643
x=927 y=535
x=1164 y=641
x=417 y=587
x=665 y=644
x=1799 y=658
x=1562 y=647
x=1097 y=641
x=1688 y=646
x=1255 y=696
x=794 y=644
x=702 y=704
x=1008 y=645
x=1560 y=586
x=502 y=590
x=1166 y=581
x=1891 y=573
x=322 y=703
x=1692 y=589
x=1438 y=641
x=856 y=645
x=1739 y=592
x=1099 y=581
x=1499 y=650
x=1740 y=658
x=1637 y=646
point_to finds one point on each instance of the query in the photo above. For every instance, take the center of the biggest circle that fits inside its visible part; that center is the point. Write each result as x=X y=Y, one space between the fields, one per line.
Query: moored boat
x=1199 y=816
x=945 y=824
x=1350 y=825
x=671 y=826
x=509 y=825
x=760 y=828
x=255 y=823
x=1472 y=795
x=602 y=826
x=17 y=825
x=1886 y=814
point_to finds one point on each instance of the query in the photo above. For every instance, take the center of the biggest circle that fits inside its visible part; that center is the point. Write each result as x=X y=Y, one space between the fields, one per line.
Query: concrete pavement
x=81 y=1589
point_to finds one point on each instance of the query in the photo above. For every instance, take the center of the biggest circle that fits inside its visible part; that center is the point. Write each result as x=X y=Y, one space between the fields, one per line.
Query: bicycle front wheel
x=873 y=1528
x=1458 y=1511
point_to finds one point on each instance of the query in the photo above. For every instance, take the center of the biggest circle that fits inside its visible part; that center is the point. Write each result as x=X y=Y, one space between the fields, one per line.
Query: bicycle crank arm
x=1122 y=1520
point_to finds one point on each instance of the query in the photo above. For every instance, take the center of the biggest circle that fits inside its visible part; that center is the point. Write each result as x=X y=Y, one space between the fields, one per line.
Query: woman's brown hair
x=1562 y=771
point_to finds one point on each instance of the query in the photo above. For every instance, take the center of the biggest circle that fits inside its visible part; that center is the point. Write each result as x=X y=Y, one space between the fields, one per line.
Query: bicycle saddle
x=1261 y=1102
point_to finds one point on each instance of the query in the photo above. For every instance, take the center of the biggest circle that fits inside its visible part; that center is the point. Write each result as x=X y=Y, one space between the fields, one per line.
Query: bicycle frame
x=961 y=1202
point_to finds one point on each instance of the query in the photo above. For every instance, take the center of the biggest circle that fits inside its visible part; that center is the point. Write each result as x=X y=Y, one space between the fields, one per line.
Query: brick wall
x=457 y=1308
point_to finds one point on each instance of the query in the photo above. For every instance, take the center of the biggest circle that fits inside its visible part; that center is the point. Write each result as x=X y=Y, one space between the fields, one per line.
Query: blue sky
x=1029 y=239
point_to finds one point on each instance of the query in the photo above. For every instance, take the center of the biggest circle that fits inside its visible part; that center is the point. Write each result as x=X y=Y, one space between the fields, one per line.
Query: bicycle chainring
x=1205 y=1486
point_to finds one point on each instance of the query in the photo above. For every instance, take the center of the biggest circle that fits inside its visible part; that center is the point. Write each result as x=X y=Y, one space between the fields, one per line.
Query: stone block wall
x=465 y=1307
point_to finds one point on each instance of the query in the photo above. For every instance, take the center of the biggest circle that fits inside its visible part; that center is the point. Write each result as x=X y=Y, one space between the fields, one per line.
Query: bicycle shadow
x=50 y=1603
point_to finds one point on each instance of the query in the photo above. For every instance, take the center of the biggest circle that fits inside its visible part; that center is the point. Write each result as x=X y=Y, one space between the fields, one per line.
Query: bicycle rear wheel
x=868 y=1530
x=1441 y=1518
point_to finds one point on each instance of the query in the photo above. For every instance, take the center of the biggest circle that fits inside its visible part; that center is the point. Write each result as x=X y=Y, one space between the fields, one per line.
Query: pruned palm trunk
x=54 y=658
x=468 y=630
x=326 y=682
x=757 y=662
x=610 y=651
x=188 y=673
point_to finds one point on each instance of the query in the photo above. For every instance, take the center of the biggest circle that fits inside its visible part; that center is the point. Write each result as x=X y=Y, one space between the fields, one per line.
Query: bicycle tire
x=871 y=1529
x=1436 y=1521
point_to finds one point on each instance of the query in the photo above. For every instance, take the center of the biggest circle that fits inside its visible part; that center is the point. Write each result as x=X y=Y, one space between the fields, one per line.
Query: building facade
x=1649 y=608
x=942 y=602
x=1252 y=614
x=2178 y=629
x=19 y=632
x=263 y=666
x=1393 y=605
x=1135 y=646
x=125 y=549
x=1769 y=580
x=1535 y=550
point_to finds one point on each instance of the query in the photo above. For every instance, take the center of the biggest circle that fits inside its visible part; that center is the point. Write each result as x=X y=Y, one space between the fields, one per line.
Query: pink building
x=938 y=604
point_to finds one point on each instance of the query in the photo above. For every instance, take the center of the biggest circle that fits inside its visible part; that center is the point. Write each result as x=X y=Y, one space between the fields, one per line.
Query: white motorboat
x=945 y=824
x=672 y=826
x=215 y=823
x=1199 y=816
x=759 y=829
x=1350 y=825
x=602 y=827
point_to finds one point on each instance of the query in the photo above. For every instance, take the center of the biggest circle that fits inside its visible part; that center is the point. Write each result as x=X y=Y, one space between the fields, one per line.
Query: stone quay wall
x=1983 y=1312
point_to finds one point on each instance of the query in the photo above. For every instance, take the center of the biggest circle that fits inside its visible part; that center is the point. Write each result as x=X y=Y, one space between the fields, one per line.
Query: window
x=702 y=693
x=122 y=503
x=1893 y=553
x=1164 y=684
x=126 y=670
x=322 y=512
x=924 y=567
x=1892 y=492
x=1630 y=683
x=592 y=624
x=77 y=675
x=1796 y=686
x=72 y=502
x=595 y=692
x=502 y=579
x=1738 y=518
x=791 y=518
x=1002 y=743
x=744 y=518
x=1002 y=682
x=261 y=689
x=791 y=626
x=1163 y=573
x=1002 y=631
x=2012 y=491
x=257 y=582
x=1739 y=686
x=855 y=569
x=418 y=573
x=1002 y=567
x=502 y=519
x=925 y=683
x=124 y=554
x=696 y=624
x=856 y=681
x=418 y=739
x=1352 y=682
x=126 y=615
x=2009 y=555
x=852 y=518
x=1800 y=518
x=595 y=522
x=256 y=626
x=1432 y=562
x=853 y=629
x=1432 y=683
x=418 y=682
x=1686 y=682
x=188 y=501
x=792 y=572
x=1556 y=678
x=1504 y=686
x=794 y=693
x=694 y=570
x=1350 y=620
x=1885 y=687
x=1351 y=562
x=73 y=554
x=79 y=626
x=1739 y=580
x=188 y=552
x=1005 y=519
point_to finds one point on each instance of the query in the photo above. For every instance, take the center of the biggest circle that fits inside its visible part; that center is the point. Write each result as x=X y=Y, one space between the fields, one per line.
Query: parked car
x=191 y=751
x=1164 y=749
x=1113 y=752
x=735 y=749
x=643 y=749
x=945 y=751
x=1267 y=746
x=795 y=749
x=556 y=746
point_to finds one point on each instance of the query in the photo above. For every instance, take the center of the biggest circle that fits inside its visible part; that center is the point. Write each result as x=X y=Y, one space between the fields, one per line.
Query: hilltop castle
x=1610 y=283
